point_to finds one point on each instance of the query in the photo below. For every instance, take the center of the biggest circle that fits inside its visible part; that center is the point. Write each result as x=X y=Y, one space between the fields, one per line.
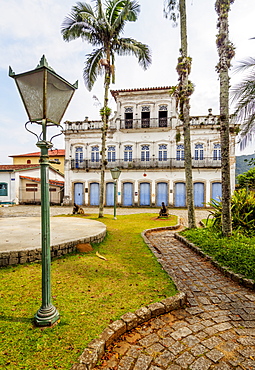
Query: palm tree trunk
x=226 y=52
x=103 y=142
x=184 y=79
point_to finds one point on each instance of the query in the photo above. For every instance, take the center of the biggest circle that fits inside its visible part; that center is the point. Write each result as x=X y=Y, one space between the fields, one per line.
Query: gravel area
x=34 y=210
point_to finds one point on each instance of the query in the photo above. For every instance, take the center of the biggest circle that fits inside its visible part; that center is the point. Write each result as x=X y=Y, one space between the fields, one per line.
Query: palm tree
x=182 y=93
x=243 y=94
x=226 y=53
x=101 y=27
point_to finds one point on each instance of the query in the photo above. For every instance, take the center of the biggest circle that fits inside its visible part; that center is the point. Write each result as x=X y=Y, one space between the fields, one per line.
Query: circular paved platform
x=24 y=233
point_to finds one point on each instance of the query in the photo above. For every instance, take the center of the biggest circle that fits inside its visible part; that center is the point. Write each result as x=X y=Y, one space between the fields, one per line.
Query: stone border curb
x=238 y=278
x=34 y=254
x=95 y=349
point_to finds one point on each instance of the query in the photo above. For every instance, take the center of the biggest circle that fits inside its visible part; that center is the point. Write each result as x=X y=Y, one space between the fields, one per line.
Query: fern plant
x=242 y=209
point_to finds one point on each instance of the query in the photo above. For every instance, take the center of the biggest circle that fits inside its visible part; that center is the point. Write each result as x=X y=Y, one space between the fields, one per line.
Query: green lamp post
x=115 y=172
x=45 y=96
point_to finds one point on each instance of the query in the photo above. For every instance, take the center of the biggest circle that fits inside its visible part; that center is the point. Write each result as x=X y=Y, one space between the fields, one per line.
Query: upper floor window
x=145 y=116
x=128 y=117
x=3 y=188
x=111 y=154
x=199 y=151
x=128 y=153
x=216 y=151
x=162 y=152
x=78 y=156
x=180 y=152
x=95 y=153
x=145 y=153
x=162 y=116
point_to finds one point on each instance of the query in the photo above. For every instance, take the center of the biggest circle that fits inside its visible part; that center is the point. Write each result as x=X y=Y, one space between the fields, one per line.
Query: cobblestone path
x=215 y=331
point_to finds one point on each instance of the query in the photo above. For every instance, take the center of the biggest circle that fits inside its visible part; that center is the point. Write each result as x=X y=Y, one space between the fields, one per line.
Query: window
x=95 y=154
x=180 y=152
x=199 y=151
x=31 y=187
x=78 y=156
x=216 y=151
x=128 y=155
x=3 y=188
x=162 y=152
x=128 y=117
x=29 y=161
x=162 y=116
x=145 y=153
x=145 y=117
x=111 y=154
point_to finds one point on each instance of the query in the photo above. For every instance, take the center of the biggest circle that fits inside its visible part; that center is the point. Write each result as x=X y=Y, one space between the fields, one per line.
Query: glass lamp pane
x=115 y=173
x=59 y=94
x=31 y=89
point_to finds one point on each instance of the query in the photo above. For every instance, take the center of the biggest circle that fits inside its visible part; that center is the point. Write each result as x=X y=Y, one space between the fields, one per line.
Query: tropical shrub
x=242 y=209
x=247 y=179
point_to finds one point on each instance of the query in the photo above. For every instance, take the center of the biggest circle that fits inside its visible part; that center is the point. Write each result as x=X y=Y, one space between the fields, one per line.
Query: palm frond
x=171 y=10
x=245 y=64
x=120 y=11
x=92 y=67
x=129 y=46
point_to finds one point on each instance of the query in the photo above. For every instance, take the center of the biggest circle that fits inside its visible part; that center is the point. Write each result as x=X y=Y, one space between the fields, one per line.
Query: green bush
x=242 y=209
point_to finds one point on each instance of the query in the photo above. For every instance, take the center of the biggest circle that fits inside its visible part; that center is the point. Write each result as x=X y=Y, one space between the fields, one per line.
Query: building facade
x=145 y=141
x=20 y=183
x=56 y=156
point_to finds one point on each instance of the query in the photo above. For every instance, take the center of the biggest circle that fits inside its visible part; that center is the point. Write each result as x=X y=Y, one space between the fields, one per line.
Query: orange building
x=57 y=155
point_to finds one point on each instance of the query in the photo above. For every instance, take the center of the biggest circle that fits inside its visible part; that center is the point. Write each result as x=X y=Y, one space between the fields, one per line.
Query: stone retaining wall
x=32 y=255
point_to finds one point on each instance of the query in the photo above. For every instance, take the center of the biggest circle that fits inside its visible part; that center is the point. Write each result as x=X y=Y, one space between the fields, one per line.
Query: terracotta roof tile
x=13 y=167
x=35 y=179
x=52 y=153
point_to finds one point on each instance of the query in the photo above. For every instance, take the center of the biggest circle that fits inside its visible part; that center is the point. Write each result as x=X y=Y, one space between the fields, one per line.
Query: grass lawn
x=236 y=252
x=88 y=292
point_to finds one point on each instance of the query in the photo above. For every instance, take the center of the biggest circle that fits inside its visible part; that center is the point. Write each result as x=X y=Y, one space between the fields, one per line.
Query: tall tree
x=182 y=92
x=102 y=27
x=243 y=95
x=226 y=53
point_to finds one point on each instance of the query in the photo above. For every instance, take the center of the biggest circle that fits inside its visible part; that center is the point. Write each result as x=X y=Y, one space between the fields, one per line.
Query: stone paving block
x=202 y=363
x=212 y=342
x=198 y=350
x=185 y=359
x=143 y=362
x=221 y=366
x=89 y=358
x=164 y=359
x=149 y=340
x=190 y=340
x=157 y=309
x=176 y=348
x=155 y=349
x=134 y=351
x=167 y=342
x=174 y=367
x=126 y=363
x=130 y=319
x=181 y=333
x=143 y=314
x=214 y=355
x=119 y=327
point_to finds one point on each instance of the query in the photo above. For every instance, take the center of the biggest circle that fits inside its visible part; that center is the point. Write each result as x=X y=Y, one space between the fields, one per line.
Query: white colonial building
x=145 y=141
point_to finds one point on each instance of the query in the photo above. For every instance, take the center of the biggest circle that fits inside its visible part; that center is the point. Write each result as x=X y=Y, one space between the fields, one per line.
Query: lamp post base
x=46 y=316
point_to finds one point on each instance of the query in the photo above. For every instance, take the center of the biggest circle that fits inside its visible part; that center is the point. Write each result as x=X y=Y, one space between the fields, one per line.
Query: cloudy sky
x=31 y=28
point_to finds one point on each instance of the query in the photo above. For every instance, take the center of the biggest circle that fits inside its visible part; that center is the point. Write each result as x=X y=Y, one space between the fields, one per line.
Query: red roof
x=52 y=182
x=116 y=92
x=52 y=153
x=13 y=167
